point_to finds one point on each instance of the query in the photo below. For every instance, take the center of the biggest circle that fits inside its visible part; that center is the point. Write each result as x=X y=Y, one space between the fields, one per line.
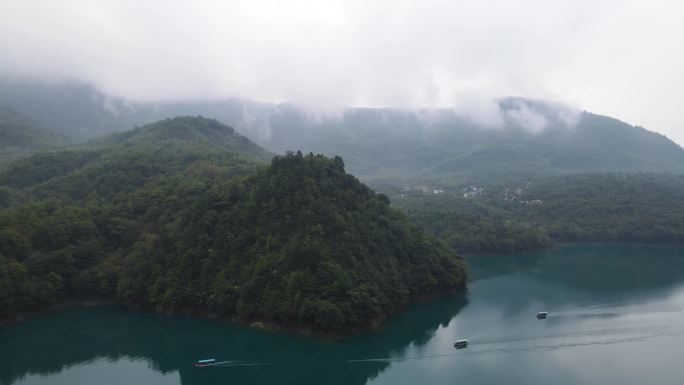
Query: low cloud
x=535 y=116
x=621 y=58
x=526 y=118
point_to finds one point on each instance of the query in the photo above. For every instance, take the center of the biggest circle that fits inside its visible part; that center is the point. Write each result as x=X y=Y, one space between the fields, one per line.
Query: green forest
x=20 y=136
x=533 y=213
x=185 y=215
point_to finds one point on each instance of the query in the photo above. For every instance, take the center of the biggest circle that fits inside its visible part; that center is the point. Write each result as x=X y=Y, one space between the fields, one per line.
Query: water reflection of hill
x=49 y=343
x=591 y=267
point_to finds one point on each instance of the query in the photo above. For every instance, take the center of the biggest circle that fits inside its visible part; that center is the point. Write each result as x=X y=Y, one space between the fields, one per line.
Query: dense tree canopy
x=181 y=219
x=530 y=214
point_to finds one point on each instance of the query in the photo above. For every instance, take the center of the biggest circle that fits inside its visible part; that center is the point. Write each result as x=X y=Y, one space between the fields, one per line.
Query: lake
x=616 y=316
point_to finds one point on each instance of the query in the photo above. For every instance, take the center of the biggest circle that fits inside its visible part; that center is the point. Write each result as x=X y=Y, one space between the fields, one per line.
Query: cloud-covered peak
x=621 y=58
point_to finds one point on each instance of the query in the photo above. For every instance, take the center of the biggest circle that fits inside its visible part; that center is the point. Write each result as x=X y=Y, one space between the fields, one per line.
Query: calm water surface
x=615 y=317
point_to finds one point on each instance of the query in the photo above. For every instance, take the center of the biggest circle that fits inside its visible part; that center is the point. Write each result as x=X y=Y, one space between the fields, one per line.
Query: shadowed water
x=615 y=317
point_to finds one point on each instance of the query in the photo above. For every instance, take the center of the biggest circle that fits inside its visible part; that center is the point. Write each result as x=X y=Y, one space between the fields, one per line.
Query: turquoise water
x=615 y=317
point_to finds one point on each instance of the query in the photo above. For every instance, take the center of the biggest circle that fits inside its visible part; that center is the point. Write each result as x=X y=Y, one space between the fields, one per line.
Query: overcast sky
x=619 y=58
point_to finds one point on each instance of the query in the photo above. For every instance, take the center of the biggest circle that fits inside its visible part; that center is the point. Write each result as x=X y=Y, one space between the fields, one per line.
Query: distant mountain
x=20 y=135
x=517 y=138
x=534 y=138
x=82 y=112
x=76 y=110
x=126 y=161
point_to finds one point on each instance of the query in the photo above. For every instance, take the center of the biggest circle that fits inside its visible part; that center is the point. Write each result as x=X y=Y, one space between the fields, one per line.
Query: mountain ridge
x=387 y=145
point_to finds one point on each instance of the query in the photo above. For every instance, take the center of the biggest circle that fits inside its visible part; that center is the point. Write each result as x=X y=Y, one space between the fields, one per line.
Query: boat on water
x=206 y=362
x=542 y=314
x=460 y=344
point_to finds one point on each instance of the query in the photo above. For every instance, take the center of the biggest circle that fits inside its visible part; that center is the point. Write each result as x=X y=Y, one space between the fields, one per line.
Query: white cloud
x=622 y=58
x=524 y=117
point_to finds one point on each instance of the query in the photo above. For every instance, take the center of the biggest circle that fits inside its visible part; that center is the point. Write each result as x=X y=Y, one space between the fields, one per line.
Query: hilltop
x=123 y=162
x=197 y=132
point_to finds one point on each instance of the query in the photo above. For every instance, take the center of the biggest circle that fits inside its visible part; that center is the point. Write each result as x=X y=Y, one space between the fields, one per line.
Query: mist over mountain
x=77 y=110
x=511 y=137
x=525 y=138
x=19 y=135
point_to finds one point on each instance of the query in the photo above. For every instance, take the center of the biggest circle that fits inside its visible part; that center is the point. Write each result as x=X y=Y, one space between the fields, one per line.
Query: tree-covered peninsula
x=185 y=215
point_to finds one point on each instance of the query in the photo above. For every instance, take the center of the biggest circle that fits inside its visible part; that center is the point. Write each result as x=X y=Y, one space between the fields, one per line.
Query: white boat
x=207 y=362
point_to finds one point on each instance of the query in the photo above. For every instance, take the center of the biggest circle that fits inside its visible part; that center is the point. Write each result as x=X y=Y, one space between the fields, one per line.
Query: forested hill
x=20 y=135
x=529 y=214
x=119 y=164
x=198 y=133
x=154 y=219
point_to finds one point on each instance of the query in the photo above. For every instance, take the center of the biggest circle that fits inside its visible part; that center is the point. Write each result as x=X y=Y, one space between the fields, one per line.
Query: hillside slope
x=20 y=135
x=533 y=138
x=78 y=111
x=530 y=214
x=123 y=162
